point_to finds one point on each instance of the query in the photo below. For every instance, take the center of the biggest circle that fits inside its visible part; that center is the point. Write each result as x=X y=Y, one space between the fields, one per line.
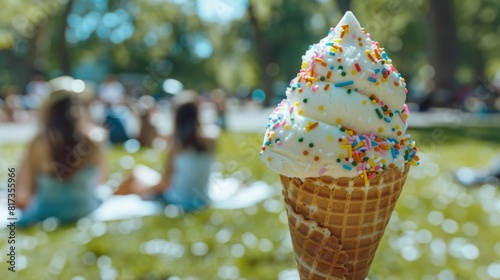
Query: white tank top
x=191 y=172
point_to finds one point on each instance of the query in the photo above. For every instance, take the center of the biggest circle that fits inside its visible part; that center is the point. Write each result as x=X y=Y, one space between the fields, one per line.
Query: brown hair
x=187 y=127
x=70 y=147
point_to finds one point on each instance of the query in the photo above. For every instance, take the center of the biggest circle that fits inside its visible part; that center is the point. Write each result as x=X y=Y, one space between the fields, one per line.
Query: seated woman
x=64 y=163
x=185 y=178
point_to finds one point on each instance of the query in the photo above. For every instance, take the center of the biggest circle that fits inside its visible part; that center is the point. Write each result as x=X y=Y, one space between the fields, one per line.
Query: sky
x=221 y=10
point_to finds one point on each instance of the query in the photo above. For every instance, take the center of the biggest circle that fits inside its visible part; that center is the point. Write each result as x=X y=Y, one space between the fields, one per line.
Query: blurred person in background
x=184 y=180
x=5 y=113
x=13 y=104
x=219 y=100
x=489 y=174
x=146 y=109
x=112 y=93
x=64 y=163
x=37 y=91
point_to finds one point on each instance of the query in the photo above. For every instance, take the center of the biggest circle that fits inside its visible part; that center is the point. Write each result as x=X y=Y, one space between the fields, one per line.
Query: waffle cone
x=336 y=224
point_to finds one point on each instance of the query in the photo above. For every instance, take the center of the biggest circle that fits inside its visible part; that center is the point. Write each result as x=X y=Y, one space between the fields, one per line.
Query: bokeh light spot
x=237 y=250
x=258 y=96
x=127 y=162
x=494 y=270
x=172 y=86
x=199 y=249
x=77 y=86
x=265 y=245
x=449 y=226
x=435 y=217
x=132 y=146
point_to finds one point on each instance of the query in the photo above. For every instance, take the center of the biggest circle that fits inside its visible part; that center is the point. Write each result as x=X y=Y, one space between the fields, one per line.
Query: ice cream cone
x=339 y=142
x=336 y=224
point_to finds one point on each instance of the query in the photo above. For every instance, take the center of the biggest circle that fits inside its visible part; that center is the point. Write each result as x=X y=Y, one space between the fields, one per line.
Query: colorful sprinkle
x=367 y=52
x=321 y=171
x=393 y=152
x=345 y=166
x=367 y=154
x=318 y=59
x=406 y=110
x=402 y=118
x=310 y=127
x=342 y=84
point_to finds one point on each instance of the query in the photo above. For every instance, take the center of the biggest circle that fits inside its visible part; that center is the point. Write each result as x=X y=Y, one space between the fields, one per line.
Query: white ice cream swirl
x=344 y=115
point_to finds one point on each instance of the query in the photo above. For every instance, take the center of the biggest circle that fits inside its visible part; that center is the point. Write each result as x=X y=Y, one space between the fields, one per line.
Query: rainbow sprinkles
x=344 y=115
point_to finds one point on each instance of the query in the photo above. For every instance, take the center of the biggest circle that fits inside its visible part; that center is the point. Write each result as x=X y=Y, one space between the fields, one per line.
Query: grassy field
x=439 y=230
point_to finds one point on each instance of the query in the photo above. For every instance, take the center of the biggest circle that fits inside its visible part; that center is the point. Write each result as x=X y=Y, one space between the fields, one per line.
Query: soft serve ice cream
x=345 y=112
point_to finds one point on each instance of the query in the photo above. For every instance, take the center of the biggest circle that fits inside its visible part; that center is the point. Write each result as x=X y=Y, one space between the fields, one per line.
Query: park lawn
x=439 y=228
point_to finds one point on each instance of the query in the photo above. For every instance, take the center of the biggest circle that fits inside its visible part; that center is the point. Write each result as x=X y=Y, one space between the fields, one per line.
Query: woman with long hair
x=184 y=181
x=64 y=162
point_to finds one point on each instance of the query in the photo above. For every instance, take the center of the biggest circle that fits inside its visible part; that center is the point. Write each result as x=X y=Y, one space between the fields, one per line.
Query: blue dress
x=189 y=182
x=67 y=200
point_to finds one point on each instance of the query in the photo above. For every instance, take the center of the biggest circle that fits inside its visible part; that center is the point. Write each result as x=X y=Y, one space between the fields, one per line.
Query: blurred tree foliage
x=261 y=48
x=25 y=31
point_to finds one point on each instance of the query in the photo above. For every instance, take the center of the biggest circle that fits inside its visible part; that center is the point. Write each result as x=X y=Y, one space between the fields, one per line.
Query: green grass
x=439 y=227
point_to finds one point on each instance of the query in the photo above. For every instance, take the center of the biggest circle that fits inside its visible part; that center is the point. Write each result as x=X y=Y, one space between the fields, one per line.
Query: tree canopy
x=239 y=46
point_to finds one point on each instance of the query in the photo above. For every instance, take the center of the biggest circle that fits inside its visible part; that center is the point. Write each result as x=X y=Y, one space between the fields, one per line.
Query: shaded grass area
x=439 y=228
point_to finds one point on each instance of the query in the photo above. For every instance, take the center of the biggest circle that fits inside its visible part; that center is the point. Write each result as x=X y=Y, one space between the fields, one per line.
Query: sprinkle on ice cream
x=345 y=112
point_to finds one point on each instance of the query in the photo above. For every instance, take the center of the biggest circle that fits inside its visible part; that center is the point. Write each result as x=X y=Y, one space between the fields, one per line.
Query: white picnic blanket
x=225 y=193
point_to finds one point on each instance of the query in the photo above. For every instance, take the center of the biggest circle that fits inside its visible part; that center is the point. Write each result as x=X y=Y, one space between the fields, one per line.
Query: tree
x=22 y=23
x=62 y=44
x=443 y=55
x=264 y=55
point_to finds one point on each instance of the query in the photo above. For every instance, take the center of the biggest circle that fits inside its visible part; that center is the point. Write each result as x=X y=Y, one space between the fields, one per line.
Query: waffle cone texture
x=336 y=224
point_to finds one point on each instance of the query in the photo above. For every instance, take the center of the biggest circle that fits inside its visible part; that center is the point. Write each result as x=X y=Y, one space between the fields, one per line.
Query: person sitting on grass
x=490 y=174
x=184 y=181
x=65 y=161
